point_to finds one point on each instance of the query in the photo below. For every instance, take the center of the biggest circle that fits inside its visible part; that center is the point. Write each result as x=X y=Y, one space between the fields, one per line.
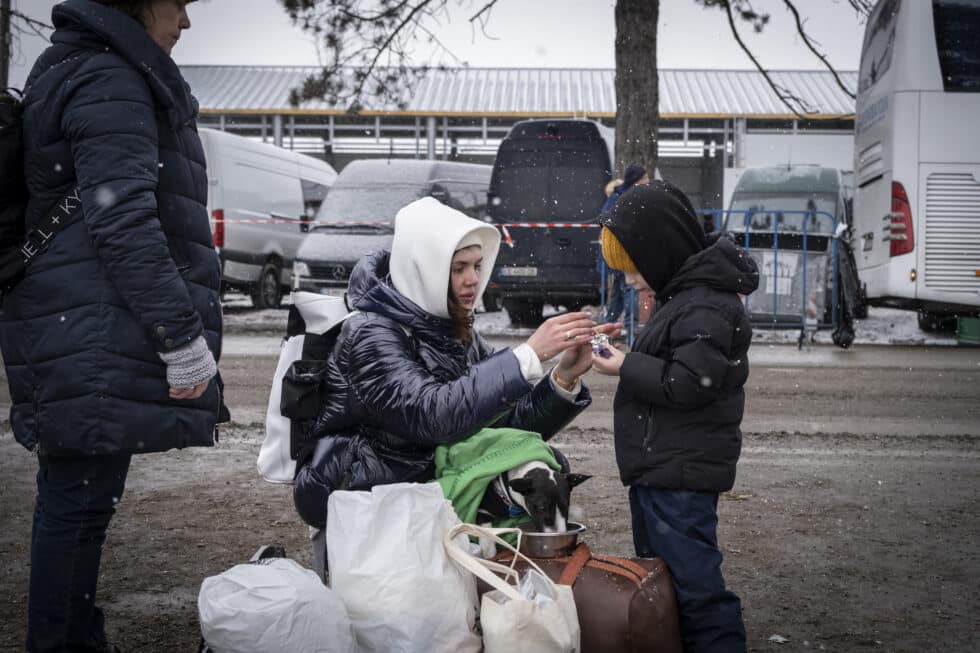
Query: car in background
x=358 y=215
x=546 y=193
x=789 y=218
x=259 y=198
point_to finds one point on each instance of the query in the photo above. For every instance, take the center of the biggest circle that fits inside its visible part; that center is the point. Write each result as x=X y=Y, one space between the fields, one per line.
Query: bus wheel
x=524 y=313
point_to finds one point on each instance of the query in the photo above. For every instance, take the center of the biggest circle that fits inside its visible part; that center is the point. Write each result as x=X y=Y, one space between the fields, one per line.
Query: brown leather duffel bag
x=625 y=605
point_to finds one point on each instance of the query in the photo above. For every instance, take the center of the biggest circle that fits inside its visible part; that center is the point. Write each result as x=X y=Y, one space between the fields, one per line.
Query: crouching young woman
x=409 y=373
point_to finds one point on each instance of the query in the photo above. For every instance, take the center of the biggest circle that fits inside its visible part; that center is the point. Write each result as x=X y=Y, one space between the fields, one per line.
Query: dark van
x=546 y=191
x=357 y=216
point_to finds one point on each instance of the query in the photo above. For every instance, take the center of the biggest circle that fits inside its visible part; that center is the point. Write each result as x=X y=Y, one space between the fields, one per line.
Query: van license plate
x=518 y=272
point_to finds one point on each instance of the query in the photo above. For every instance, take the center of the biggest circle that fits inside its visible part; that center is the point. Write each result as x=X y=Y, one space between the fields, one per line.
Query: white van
x=260 y=198
x=358 y=216
x=917 y=158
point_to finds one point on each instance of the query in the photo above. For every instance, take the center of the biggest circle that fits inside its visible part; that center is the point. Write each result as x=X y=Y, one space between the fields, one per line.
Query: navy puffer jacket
x=678 y=409
x=137 y=274
x=400 y=384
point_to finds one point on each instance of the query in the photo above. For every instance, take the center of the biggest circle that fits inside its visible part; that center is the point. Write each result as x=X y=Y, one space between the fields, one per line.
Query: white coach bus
x=917 y=158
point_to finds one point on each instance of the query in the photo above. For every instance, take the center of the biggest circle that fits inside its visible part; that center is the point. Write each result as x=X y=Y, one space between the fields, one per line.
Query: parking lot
x=853 y=524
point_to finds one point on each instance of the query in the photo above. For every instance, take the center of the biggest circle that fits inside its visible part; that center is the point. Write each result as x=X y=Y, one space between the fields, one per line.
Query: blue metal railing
x=777 y=318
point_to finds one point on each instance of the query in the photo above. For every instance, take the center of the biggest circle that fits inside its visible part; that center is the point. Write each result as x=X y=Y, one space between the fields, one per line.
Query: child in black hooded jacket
x=680 y=398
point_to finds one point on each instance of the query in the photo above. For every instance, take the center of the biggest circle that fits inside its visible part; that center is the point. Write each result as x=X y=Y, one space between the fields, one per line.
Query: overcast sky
x=542 y=33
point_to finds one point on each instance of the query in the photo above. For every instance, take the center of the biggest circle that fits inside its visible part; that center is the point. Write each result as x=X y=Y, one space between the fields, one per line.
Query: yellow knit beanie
x=615 y=254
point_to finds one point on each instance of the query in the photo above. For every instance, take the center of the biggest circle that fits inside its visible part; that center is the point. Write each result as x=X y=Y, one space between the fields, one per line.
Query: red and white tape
x=508 y=239
x=348 y=223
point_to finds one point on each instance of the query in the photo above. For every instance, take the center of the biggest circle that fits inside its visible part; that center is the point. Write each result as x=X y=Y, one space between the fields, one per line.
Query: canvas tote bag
x=389 y=565
x=510 y=621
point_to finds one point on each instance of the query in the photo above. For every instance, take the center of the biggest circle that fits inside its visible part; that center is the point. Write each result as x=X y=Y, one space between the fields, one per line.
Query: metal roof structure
x=531 y=92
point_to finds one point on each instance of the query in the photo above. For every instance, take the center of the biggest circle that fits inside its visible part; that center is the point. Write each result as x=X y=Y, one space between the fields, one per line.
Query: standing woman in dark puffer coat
x=111 y=340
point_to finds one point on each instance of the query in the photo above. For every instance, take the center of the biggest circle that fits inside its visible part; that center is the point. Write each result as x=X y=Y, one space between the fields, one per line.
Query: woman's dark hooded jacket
x=399 y=383
x=106 y=108
x=679 y=404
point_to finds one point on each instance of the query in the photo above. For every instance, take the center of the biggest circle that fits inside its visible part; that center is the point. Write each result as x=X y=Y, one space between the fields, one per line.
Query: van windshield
x=367 y=202
x=555 y=186
x=958 y=42
x=764 y=212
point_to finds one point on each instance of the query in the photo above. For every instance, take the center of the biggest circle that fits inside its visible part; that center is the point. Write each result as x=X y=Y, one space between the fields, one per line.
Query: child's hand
x=611 y=329
x=609 y=365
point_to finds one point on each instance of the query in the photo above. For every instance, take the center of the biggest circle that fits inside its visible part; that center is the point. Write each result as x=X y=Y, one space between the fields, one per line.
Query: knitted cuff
x=189 y=365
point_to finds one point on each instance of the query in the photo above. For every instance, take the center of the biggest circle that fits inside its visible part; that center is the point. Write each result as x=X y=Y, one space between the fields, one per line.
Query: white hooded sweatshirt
x=427 y=234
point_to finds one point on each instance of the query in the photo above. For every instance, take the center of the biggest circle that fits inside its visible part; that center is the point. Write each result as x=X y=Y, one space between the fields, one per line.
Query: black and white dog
x=532 y=488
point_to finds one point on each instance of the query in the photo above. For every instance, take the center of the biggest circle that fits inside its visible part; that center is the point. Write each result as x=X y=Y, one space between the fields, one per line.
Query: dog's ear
x=522 y=485
x=576 y=479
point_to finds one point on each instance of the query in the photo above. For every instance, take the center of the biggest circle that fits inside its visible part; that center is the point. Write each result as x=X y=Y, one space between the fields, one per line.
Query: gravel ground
x=853 y=524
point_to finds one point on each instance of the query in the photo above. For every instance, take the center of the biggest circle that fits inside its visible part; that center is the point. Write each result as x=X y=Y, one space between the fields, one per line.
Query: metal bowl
x=549 y=545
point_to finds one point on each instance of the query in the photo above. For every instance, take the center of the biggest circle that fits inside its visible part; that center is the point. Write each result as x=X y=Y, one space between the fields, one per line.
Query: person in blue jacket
x=111 y=340
x=619 y=296
x=409 y=373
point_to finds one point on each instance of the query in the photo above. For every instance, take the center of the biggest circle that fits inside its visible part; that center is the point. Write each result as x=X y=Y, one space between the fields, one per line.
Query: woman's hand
x=576 y=361
x=559 y=333
x=189 y=393
x=609 y=366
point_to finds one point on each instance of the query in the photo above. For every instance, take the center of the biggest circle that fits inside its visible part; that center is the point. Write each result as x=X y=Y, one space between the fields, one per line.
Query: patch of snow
x=884 y=326
x=241 y=317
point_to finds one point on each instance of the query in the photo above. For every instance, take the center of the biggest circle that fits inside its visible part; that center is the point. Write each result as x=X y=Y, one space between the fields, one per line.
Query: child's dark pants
x=680 y=527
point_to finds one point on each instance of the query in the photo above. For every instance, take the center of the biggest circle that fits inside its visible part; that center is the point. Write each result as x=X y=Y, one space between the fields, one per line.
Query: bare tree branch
x=366 y=45
x=28 y=24
x=391 y=37
x=483 y=20
x=391 y=11
x=483 y=10
x=366 y=53
x=809 y=44
x=863 y=7
x=442 y=46
x=785 y=96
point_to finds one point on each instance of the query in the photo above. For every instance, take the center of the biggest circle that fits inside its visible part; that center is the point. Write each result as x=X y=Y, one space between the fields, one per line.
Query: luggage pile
x=404 y=577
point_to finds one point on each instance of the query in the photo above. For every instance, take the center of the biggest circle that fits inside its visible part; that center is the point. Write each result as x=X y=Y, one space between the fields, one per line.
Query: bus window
x=879 y=42
x=957 y=24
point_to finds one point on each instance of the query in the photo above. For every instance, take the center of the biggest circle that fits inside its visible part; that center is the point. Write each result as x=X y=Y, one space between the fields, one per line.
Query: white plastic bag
x=389 y=565
x=271 y=607
x=274 y=462
x=532 y=613
x=320 y=313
